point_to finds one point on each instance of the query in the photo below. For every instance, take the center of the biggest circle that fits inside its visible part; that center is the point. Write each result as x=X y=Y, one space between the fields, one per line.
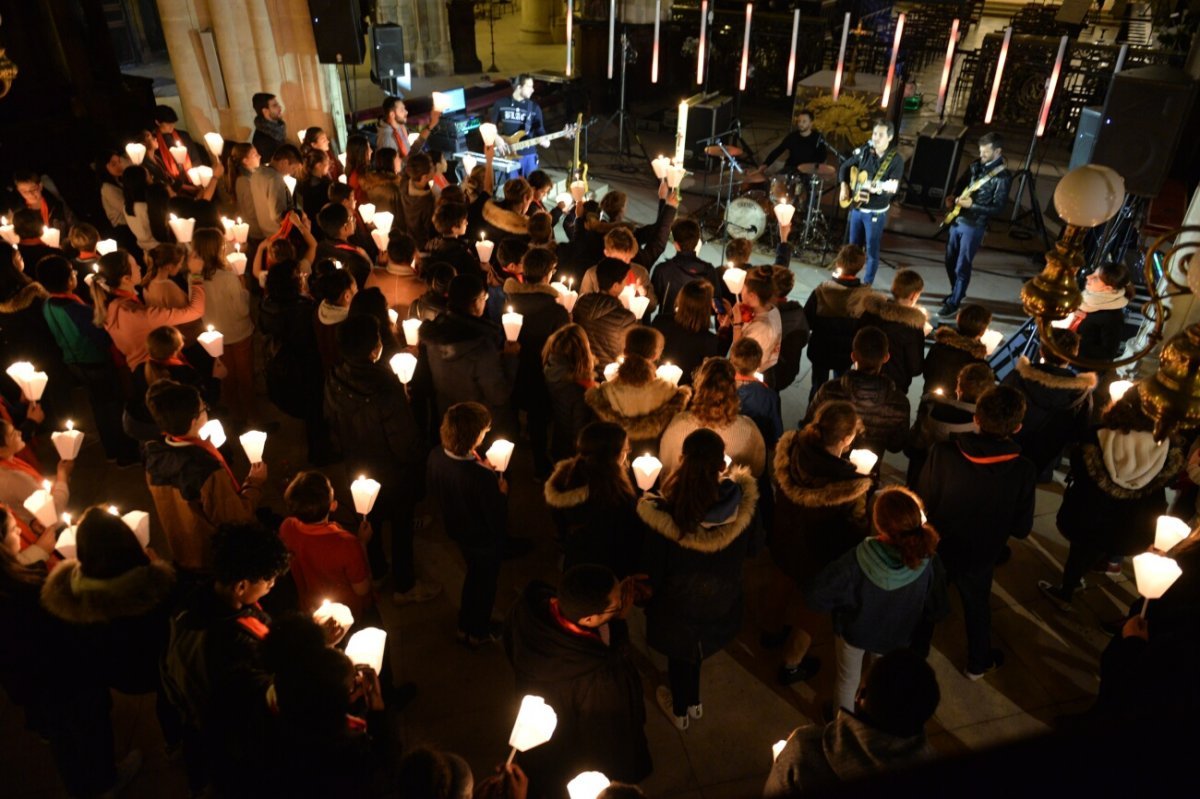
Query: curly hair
x=715 y=403
x=569 y=344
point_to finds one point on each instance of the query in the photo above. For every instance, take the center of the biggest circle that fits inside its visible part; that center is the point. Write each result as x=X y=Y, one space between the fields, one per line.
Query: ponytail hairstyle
x=160 y=260
x=208 y=244
x=358 y=154
x=162 y=344
x=694 y=486
x=313 y=158
x=235 y=154
x=600 y=465
x=113 y=267
x=643 y=345
x=898 y=521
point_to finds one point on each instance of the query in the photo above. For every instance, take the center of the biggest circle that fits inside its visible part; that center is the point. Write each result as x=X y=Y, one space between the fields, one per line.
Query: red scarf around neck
x=211 y=450
x=172 y=168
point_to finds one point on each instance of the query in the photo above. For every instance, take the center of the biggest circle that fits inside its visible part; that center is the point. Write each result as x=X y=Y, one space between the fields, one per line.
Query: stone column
x=535 y=21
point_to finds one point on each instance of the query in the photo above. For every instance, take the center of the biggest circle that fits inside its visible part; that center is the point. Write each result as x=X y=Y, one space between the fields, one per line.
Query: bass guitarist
x=517 y=113
x=880 y=168
x=978 y=195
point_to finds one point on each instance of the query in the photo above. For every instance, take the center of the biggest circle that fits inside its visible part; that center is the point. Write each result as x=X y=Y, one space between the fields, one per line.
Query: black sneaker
x=806 y=669
x=1056 y=594
x=947 y=309
x=775 y=640
x=997 y=662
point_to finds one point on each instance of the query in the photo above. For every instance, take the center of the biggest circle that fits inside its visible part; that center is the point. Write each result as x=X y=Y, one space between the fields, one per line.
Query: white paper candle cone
x=675 y=176
x=659 y=165
x=578 y=189
x=534 y=725
x=35 y=385
x=784 y=213
x=139 y=522
x=568 y=300
x=864 y=460
x=627 y=294
x=365 y=648
x=65 y=545
x=1170 y=531
x=241 y=231
x=364 y=490
x=991 y=340
x=179 y=153
x=412 y=331
x=487 y=132
x=336 y=611
x=512 y=324
x=31 y=382
x=41 y=504
x=441 y=101
x=253 y=442
x=383 y=220
x=105 y=246
x=237 y=260
x=342 y=160
x=499 y=454
x=380 y=238
x=735 y=279
x=393 y=317
x=51 y=236
x=670 y=372
x=468 y=164
x=587 y=785
x=215 y=142
x=201 y=175
x=68 y=442
x=367 y=212
x=290 y=182
x=1155 y=574
x=1117 y=389
x=182 y=228
x=483 y=248
x=136 y=153
x=412 y=137
x=7 y=232
x=404 y=364
x=646 y=469
x=639 y=305
x=213 y=342
x=776 y=748
x=213 y=432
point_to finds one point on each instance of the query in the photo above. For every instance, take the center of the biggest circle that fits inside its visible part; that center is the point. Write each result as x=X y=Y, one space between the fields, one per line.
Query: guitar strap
x=883 y=166
x=978 y=184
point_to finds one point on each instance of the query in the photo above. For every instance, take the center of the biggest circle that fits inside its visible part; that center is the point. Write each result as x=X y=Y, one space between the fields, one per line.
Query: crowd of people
x=621 y=353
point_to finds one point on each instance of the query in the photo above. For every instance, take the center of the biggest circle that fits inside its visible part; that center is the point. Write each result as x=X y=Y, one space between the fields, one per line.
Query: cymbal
x=715 y=150
x=824 y=171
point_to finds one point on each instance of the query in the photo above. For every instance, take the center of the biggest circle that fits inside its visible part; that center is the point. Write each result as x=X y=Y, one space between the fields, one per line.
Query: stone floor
x=466 y=702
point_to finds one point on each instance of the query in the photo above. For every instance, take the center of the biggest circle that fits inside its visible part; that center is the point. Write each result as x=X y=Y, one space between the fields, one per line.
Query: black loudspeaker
x=337 y=27
x=1085 y=136
x=934 y=164
x=706 y=119
x=1145 y=114
x=387 y=50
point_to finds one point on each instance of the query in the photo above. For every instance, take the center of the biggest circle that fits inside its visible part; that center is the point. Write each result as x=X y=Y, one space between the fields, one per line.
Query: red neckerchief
x=355 y=724
x=253 y=626
x=984 y=460
x=751 y=379
x=401 y=141
x=589 y=383
x=747 y=315
x=440 y=181
x=29 y=538
x=175 y=360
x=87 y=256
x=30 y=241
x=211 y=450
x=285 y=228
x=45 y=209
x=630 y=278
x=347 y=247
x=122 y=294
x=18 y=465
x=66 y=295
x=170 y=166
x=569 y=625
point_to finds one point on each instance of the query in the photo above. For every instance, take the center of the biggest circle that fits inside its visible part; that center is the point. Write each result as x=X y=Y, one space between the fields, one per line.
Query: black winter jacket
x=791 y=346
x=669 y=277
x=951 y=351
x=1102 y=334
x=592 y=532
x=1058 y=404
x=832 y=322
x=474 y=510
x=568 y=408
x=686 y=349
x=372 y=423
x=905 y=329
x=463 y=355
x=883 y=410
x=989 y=199
x=538 y=304
x=295 y=377
x=605 y=320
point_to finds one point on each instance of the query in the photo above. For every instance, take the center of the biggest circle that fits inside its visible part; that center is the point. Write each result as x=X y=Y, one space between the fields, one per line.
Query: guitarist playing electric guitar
x=520 y=113
x=878 y=168
x=979 y=193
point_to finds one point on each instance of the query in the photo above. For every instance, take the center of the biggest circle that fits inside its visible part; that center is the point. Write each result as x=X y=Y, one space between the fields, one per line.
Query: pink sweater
x=129 y=322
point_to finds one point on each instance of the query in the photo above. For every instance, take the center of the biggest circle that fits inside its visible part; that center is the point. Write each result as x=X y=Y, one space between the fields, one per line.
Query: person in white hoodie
x=1116 y=492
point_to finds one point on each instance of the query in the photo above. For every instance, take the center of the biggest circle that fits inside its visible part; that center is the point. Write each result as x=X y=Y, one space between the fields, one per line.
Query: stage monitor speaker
x=934 y=164
x=1085 y=136
x=337 y=28
x=1073 y=12
x=706 y=119
x=387 y=50
x=1145 y=114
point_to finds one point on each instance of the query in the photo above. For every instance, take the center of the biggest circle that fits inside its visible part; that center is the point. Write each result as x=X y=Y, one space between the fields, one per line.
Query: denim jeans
x=961 y=247
x=866 y=229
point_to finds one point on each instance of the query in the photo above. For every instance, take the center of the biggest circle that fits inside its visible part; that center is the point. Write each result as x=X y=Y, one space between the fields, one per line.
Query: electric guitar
x=975 y=186
x=862 y=187
x=517 y=141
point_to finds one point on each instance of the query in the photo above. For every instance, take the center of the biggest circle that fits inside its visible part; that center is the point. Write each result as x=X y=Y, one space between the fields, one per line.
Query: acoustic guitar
x=862 y=187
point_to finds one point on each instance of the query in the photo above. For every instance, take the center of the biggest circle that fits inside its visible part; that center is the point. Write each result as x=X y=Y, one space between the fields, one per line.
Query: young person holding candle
x=193 y=488
x=602 y=315
x=670 y=276
x=636 y=397
x=688 y=338
x=168 y=361
x=338 y=224
x=84 y=239
x=18 y=480
x=416 y=199
x=754 y=316
x=28 y=228
x=942 y=416
x=979 y=492
x=715 y=406
x=269 y=191
x=698 y=540
x=594 y=503
x=227 y=310
x=122 y=313
x=507 y=217
x=882 y=408
x=449 y=245
x=432 y=303
x=381 y=182
x=473 y=499
x=244 y=160
x=880 y=592
x=372 y=302
x=46 y=203
x=334 y=289
x=270 y=132
x=160 y=284
x=370 y=418
x=794 y=326
x=280 y=248
x=319 y=172
x=902 y=320
x=830 y=319
x=757 y=401
x=569 y=369
x=820 y=514
x=87 y=352
x=619 y=243
x=537 y=302
x=953 y=349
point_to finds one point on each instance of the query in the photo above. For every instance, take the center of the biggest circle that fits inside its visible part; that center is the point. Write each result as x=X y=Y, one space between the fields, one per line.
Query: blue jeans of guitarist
x=866 y=230
x=529 y=162
x=961 y=247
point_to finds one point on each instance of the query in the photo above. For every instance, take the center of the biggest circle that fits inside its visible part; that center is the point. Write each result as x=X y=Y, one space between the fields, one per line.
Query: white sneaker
x=662 y=695
x=422 y=591
x=696 y=711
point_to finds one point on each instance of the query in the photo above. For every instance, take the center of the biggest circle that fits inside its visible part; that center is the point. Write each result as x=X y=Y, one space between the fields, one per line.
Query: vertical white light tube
x=746 y=49
x=841 y=64
x=791 y=79
x=991 y=107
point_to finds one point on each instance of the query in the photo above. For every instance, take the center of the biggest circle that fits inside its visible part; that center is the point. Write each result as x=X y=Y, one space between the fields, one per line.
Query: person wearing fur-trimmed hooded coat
x=904 y=326
x=696 y=574
x=503 y=219
x=1058 y=407
x=951 y=351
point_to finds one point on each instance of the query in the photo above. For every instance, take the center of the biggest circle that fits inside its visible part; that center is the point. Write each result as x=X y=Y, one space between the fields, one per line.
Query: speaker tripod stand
x=1027 y=187
x=623 y=117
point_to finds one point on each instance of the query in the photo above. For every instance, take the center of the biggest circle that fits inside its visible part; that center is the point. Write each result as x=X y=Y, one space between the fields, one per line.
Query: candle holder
x=136 y=153
x=336 y=611
x=512 y=322
x=646 y=469
x=366 y=648
x=499 y=454
x=735 y=279
x=215 y=142
x=213 y=342
x=864 y=460
x=213 y=432
x=587 y=785
x=534 y=726
x=483 y=248
x=201 y=175
x=253 y=442
x=182 y=228
x=670 y=372
x=638 y=305
x=404 y=364
x=68 y=442
x=365 y=491
x=367 y=212
x=51 y=237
